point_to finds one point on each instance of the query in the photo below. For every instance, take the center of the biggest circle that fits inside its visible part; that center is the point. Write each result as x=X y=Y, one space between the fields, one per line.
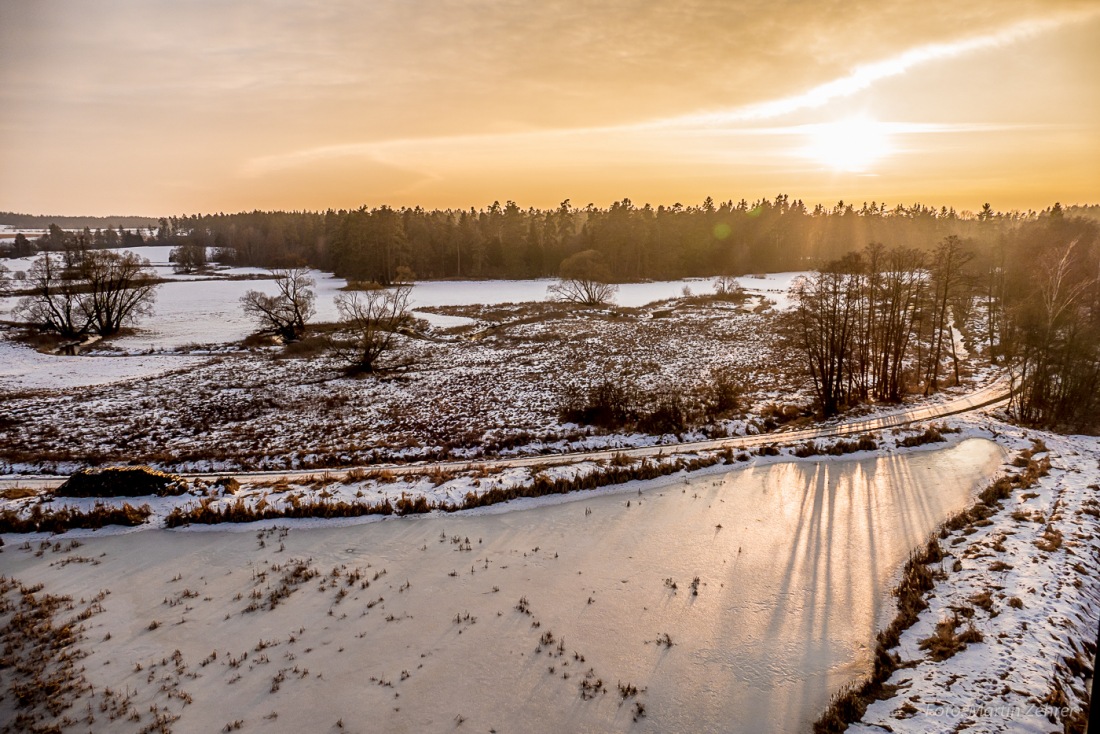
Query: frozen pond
x=795 y=562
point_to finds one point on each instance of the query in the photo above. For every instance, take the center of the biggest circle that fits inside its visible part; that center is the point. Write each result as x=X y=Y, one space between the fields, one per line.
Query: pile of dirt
x=121 y=481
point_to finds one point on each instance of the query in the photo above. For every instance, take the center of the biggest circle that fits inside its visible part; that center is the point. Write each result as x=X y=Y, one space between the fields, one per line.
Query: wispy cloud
x=731 y=121
x=865 y=75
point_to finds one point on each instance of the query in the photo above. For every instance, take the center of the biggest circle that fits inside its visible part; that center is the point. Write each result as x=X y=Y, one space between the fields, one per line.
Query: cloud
x=204 y=89
x=865 y=75
x=731 y=121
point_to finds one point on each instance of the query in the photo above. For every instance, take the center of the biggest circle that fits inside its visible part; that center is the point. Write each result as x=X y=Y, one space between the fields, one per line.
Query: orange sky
x=162 y=106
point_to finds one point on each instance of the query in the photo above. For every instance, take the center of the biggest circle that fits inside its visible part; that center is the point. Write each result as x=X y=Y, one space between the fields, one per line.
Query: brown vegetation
x=121 y=481
x=37 y=520
x=206 y=513
x=918 y=578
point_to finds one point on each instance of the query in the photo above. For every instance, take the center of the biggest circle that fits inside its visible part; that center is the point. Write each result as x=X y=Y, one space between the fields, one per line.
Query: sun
x=853 y=144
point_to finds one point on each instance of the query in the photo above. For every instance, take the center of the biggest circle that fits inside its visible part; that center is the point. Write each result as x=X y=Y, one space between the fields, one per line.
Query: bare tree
x=1058 y=348
x=903 y=285
x=584 y=279
x=826 y=317
x=121 y=287
x=373 y=319
x=948 y=262
x=727 y=286
x=285 y=313
x=5 y=280
x=56 y=289
x=79 y=290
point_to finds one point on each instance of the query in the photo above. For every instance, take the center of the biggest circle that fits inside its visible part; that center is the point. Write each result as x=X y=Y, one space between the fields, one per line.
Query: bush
x=775 y=415
x=607 y=404
x=930 y=435
x=866 y=442
x=67 y=518
x=723 y=395
x=668 y=415
x=121 y=481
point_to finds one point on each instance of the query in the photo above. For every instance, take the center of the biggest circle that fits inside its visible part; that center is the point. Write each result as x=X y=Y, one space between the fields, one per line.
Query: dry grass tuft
x=17 y=493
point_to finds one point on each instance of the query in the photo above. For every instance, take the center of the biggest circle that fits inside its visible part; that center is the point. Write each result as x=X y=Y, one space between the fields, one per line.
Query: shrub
x=607 y=404
x=932 y=434
x=775 y=415
x=807 y=449
x=723 y=395
x=668 y=415
x=866 y=442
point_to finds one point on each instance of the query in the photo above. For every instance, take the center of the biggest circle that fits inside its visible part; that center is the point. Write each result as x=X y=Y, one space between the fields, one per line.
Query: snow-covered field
x=463 y=398
x=22 y=368
x=206 y=309
x=794 y=558
x=733 y=600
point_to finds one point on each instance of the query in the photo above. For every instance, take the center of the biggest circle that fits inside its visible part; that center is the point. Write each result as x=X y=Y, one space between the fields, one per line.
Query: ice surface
x=794 y=561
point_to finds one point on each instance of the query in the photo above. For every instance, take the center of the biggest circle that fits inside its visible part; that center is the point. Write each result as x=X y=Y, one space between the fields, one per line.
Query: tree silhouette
x=584 y=279
x=80 y=290
x=285 y=313
x=373 y=319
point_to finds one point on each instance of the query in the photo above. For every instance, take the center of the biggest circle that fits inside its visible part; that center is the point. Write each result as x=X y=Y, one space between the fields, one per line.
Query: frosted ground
x=182 y=394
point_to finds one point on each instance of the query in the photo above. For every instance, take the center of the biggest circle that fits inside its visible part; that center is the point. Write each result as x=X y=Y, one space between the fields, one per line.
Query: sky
x=160 y=107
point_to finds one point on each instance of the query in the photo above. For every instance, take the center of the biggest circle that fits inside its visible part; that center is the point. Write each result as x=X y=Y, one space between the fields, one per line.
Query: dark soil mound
x=121 y=481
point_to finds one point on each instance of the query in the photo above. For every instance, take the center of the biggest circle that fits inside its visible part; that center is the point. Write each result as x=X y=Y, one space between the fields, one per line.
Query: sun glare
x=853 y=144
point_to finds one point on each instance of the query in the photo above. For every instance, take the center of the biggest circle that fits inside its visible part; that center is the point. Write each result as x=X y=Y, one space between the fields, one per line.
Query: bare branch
x=373 y=318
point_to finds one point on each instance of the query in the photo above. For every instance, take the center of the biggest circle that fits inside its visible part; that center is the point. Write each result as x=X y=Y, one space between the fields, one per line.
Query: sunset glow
x=164 y=107
x=854 y=144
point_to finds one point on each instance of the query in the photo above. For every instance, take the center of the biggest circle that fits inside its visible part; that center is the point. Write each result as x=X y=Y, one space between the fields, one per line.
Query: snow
x=776 y=287
x=776 y=625
x=630 y=295
x=22 y=368
x=209 y=312
x=818 y=540
x=463 y=399
x=205 y=309
x=1041 y=622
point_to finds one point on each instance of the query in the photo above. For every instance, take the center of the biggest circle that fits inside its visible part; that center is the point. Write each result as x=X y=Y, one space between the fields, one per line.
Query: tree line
x=879 y=317
x=886 y=321
x=42 y=221
x=507 y=241
x=636 y=242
